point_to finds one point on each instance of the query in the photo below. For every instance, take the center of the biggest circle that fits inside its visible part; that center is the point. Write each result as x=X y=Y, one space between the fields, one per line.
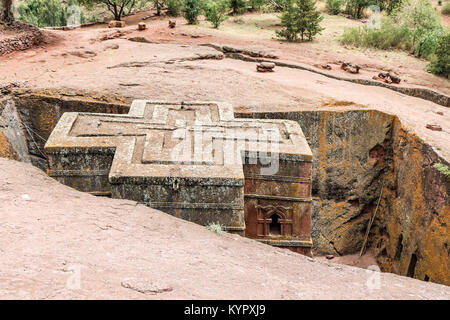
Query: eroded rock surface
x=66 y=244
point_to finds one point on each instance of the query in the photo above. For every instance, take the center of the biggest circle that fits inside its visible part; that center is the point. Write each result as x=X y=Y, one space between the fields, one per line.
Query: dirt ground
x=175 y=66
x=60 y=244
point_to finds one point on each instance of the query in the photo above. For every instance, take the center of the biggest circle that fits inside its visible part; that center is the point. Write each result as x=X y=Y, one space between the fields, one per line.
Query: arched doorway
x=275 y=225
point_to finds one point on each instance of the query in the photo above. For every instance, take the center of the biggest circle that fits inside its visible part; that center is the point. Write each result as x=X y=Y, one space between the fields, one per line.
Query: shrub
x=440 y=63
x=423 y=22
x=426 y=43
x=415 y=26
x=446 y=9
x=216 y=227
x=389 y=36
x=334 y=6
x=442 y=168
x=256 y=4
x=191 y=10
x=43 y=13
x=174 y=7
x=216 y=11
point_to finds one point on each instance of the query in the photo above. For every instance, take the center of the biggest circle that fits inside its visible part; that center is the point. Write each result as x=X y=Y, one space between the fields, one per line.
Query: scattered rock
x=329 y=256
x=351 y=68
x=265 y=67
x=255 y=53
x=440 y=113
x=142 y=26
x=326 y=66
x=140 y=39
x=7 y=88
x=23 y=36
x=194 y=36
x=113 y=35
x=434 y=127
x=129 y=84
x=387 y=77
x=116 y=24
x=83 y=53
x=113 y=46
x=172 y=24
x=145 y=286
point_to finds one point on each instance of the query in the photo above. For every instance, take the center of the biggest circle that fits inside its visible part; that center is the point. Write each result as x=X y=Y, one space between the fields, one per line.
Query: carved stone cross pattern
x=193 y=160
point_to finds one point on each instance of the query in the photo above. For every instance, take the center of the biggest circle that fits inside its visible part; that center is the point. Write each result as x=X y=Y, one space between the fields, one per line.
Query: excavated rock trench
x=362 y=159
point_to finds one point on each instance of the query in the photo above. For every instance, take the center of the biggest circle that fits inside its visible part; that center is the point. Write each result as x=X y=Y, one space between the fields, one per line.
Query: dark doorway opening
x=412 y=266
x=275 y=226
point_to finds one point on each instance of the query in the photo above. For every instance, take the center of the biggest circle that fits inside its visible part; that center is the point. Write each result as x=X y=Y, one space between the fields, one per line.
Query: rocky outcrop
x=411 y=237
x=40 y=111
x=360 y=157
x=27 y=37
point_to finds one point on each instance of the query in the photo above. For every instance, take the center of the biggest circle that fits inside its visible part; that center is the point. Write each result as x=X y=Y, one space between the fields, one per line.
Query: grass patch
x=216 y=227
x=442 y=168
x=389 y=36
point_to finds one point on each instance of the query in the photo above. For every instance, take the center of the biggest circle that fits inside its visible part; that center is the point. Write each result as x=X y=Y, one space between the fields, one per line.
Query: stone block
x=142 y=26
x=194 y=161
x=116 y=24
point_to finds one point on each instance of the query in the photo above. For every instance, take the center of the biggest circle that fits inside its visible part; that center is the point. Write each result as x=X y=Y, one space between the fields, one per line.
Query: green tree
x=334 y=6
x=191 y=10
x=256 y=4
x=441 y=62
x=355 y=7
x=216 y=11
x=174 y=7
x=43 y=13
x=117 y=7
x=238 y=6
x=300 y=18
x=289 y=22
x=312 y=18
x=6 y=14
x=158 y=4
x=421 y=19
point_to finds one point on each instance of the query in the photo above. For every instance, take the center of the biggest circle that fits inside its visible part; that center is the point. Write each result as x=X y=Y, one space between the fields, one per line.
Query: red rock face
x=346 y=181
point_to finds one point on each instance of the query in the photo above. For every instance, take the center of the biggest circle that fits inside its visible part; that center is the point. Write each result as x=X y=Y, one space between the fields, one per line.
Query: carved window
x=274 y=221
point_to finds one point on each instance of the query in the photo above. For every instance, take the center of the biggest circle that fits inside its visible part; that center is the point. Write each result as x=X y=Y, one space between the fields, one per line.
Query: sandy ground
x=58 y=243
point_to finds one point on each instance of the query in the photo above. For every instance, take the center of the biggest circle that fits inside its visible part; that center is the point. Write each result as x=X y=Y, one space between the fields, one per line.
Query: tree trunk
x=7 y=14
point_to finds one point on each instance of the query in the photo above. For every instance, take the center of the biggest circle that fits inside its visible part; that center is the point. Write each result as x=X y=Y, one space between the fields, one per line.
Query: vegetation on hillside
x=46 y=13
x=300 y=18
x=216 y=11
x=117 y=7
x=410 y=25
x=413 y=26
